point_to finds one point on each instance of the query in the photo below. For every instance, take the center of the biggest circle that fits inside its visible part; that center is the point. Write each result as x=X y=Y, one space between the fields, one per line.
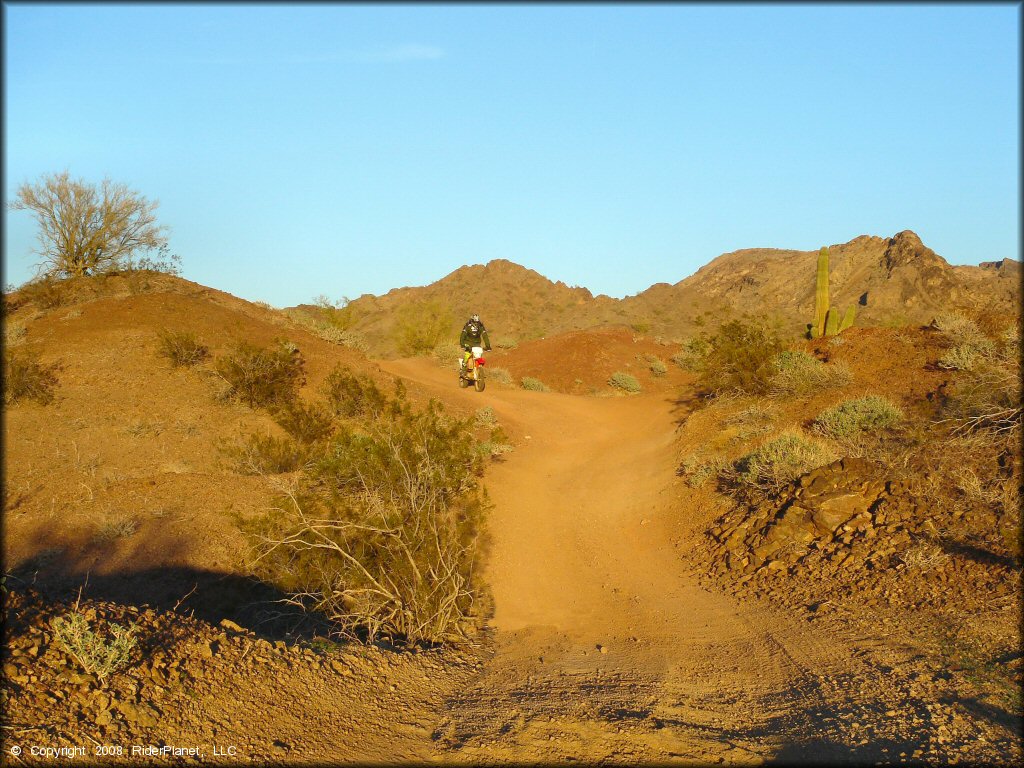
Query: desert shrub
x=344 y=337
x=447 y=354
x=25 y=378
x=624 y=381
x=698 y=469
x=384 y=536
x=753 y=420
x=691 y=356
x=421 y=326
x=46 y=292
x=534 y=385
x=859 y=415
x=742 y=358
x=260 y=454
x=262 y=376
x=496 y=445
x=782 y=460
x=958 y=327
x=306 y=424
x=351 y=396
x=506 y=342
x=14 y=333
x=100 y=654
x=967 y=355
x=181 y=347
x=799 y=373
x=485 y=418
x=656 y=365
x=987 y=396
x=500 y=375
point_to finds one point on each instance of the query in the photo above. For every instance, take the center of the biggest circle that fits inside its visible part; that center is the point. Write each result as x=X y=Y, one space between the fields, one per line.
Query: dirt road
x=606 y=648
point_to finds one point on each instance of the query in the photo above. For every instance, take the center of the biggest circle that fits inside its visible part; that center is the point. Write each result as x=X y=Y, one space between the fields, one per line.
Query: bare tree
x=84 y=228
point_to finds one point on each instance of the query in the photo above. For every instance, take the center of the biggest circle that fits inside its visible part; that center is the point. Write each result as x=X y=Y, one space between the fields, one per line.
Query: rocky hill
x=896 y=280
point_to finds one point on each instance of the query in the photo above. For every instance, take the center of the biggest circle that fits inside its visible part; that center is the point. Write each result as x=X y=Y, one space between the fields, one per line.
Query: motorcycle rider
x=474 y=334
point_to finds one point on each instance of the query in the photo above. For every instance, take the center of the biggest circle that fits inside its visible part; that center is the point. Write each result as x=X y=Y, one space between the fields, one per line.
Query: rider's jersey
x=474 y=335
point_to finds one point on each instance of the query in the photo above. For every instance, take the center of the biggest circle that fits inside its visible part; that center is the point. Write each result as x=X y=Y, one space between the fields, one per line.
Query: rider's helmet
x=475 y=318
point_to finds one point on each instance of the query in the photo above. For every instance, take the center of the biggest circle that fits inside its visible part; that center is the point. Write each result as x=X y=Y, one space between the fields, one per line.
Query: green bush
x=799 y=373
x=99 y=654
x=385 y=534
x=853 y=417
x=352 y=396
x=262 y=377
x=260 y=454
x=782 y=460
x=968 y=355
x=181 y=347
x=534 y=385
x=25 y=378
x=306 y=424
x=624 y=381
x=751 y=421
x=656 y=365
x=741 y=359
x=421 y=326
x=699 y=469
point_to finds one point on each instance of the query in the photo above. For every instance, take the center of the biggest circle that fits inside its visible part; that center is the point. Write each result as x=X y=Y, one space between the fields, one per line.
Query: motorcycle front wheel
x=479 y=385
x=462 y=382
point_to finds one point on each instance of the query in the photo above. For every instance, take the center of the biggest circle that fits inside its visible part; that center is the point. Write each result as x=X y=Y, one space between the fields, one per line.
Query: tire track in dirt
x=605 y=647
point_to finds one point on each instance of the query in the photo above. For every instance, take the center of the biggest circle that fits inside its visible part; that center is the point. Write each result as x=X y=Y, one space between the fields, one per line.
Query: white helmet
x=475 y=318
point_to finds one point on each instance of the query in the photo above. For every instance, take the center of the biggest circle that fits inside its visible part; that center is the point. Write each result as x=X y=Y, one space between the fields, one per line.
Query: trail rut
x=605 y=647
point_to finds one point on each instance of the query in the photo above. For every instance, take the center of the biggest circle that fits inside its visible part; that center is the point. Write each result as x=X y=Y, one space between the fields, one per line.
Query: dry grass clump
x=799 y=373
x=986 y=394
x=262 y=377
x=182 y=348
x=534 y=385
x=25 y=378
x=118 y=528
x=852 y=418
x=447 y=354
x=655 y=364
x=698 y=469
x=754 y=420
x=624 y=381
x=46 y=292
x=923 y=555
x=14 y=333
x=782 y=460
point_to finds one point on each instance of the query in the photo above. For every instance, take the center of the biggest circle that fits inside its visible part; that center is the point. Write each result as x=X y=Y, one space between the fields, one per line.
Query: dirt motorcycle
x=472 y=371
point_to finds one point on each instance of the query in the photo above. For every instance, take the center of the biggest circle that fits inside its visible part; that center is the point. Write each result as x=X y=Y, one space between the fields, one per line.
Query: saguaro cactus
x=821 y=296
x=826 y=319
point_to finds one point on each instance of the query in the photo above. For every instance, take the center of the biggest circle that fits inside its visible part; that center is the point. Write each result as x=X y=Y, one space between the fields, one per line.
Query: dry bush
x=264 y=377
x=741 y=358
x=851 y=418
x=182 y=348
x=799 y=373
x=14 y=333
x=100 y=654
x=384 y=536
x=421 y=326
x=25 y=378
x=698 y=468
x=260 y=454
x=111 y=530
x=752 y=421
x=782 y=460
x=447 y=354
x=46 y=292
x=923 y=555
x=655 y=364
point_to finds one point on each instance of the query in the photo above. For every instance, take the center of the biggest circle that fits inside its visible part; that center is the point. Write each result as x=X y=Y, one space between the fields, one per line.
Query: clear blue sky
x=349 y=149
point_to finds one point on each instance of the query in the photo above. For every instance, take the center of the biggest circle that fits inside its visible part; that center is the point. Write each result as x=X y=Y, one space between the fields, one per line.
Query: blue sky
x=350 y=149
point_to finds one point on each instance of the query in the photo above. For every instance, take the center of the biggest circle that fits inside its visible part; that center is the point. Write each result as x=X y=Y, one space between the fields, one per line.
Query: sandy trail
x=606 y=648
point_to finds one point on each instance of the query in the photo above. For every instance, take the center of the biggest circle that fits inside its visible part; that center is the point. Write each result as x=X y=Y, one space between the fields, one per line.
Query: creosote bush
x=499 y=375
x=534 y=385
x=857 y=416
x=262 y=377
x=181 y=347
x=741 y=358
x=354 y=396
x=782 y=460
x=624 y=381
x=691 y=356
x=260 y=454
x=100 y=654
x=384 y=534
x=25 y=378
x=305 y=423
